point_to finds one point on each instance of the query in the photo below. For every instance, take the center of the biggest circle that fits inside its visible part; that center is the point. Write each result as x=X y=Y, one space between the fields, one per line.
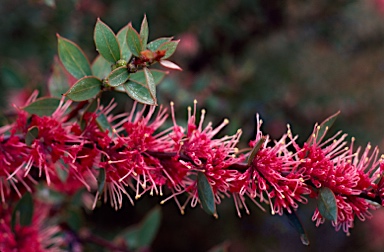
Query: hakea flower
x=13 y=154
x=54 y=143
x=274 y=175
x=198 y=151
x=126 y=152
x=39 y=236
x=333 y=165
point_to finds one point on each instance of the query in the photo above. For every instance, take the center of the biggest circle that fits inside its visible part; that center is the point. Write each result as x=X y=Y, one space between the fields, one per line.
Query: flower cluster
x=112 y=156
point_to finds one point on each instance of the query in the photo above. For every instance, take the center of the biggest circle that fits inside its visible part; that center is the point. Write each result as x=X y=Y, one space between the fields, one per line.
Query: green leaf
x=58 y=81
x=296 y=223
x=322 y=129
x=73 y=58
x=149 y=227
x=133 y=41
x=101 y=180
x=23 y=212
x=206 y=195
x=32 y=134
x=169 y=47
x=84 y=89
x=120 y=89
x=43 y=106
x=326 y=203
x=144 y=32
x=154 y=45
x=122 y=38
x=139 y=76
x=255 y=149
x=118 y=76
x=106 y=42
x=144 y=233
x=139 y=93
x=103 y=124
x=101 y=67
x=149 y=80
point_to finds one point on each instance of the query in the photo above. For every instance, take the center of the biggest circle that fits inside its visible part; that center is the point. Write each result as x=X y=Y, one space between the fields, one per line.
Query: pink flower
x=37 y=237
x=274 y=175
x=198 y=151
x=333 y=165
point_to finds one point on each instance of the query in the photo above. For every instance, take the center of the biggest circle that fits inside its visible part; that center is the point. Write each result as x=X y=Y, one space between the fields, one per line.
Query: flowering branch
x=101 y=155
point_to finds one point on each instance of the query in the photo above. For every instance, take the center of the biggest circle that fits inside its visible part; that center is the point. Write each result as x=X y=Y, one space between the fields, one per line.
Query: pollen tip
x=216 y=215
x=172 y=103
x=353 y=139
x=195 y=101
x=226 y=120
x=203 y=111
x=137 y=197
x=162 y=202
x=189 y=108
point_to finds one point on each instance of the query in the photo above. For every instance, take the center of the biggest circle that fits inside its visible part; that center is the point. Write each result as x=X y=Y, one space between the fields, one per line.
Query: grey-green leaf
x=323 y=128
x=58 y=81
x=169 y=47
x=118 y=76
x=144 y=32
x=133 y=41
x=32 y=134
x=154 y=45
x=296 y=223
x=101 y=67
x=23 y=211
x=106 y=42
x=149 y=80
x=101 y=180
x=122 y=38
x=149 y=227
x=43 y=106
x=84 y=89
x=139 y=76
x=255 y=149
x=104 y=124
x=205 y=193
x=326 y=203
x=73 y=58
x=139 y=93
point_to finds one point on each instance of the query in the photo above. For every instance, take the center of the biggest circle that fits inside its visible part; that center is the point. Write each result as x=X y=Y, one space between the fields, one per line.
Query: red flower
x=37 y=237
x=274 y=175
x=198 y=151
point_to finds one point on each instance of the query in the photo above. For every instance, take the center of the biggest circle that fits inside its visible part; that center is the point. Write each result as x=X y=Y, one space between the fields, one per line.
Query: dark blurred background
x=291 y=61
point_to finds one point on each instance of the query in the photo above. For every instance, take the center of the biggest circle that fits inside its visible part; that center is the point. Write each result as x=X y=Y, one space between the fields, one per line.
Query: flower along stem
x=79 y=148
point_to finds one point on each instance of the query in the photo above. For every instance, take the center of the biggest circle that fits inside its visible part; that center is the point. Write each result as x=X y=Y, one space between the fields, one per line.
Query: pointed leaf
x=101 y=67
x=139 y=93
x=84 y=89
x=154 y=45
x=149 y=227
x=150 y=81
x=296 y=223
x=255 y=149
x=144 y=32
x=122 y=38
x=32 y=134
x=58 y=81
x=322 y=129
x=101 y=180
x=326 y=203
x=139 y=76
x=43 y=106
x=205 y=193
x=120 y=89
x=170 y=65
x=106 y=42
x=23 y=212
x=169 y=47
x=118 y=76
x=73 y=58
x=104 y=124
x=133 y=41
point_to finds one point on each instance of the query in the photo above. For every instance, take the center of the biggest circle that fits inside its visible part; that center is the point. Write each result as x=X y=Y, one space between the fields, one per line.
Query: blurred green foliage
x=291 y=61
